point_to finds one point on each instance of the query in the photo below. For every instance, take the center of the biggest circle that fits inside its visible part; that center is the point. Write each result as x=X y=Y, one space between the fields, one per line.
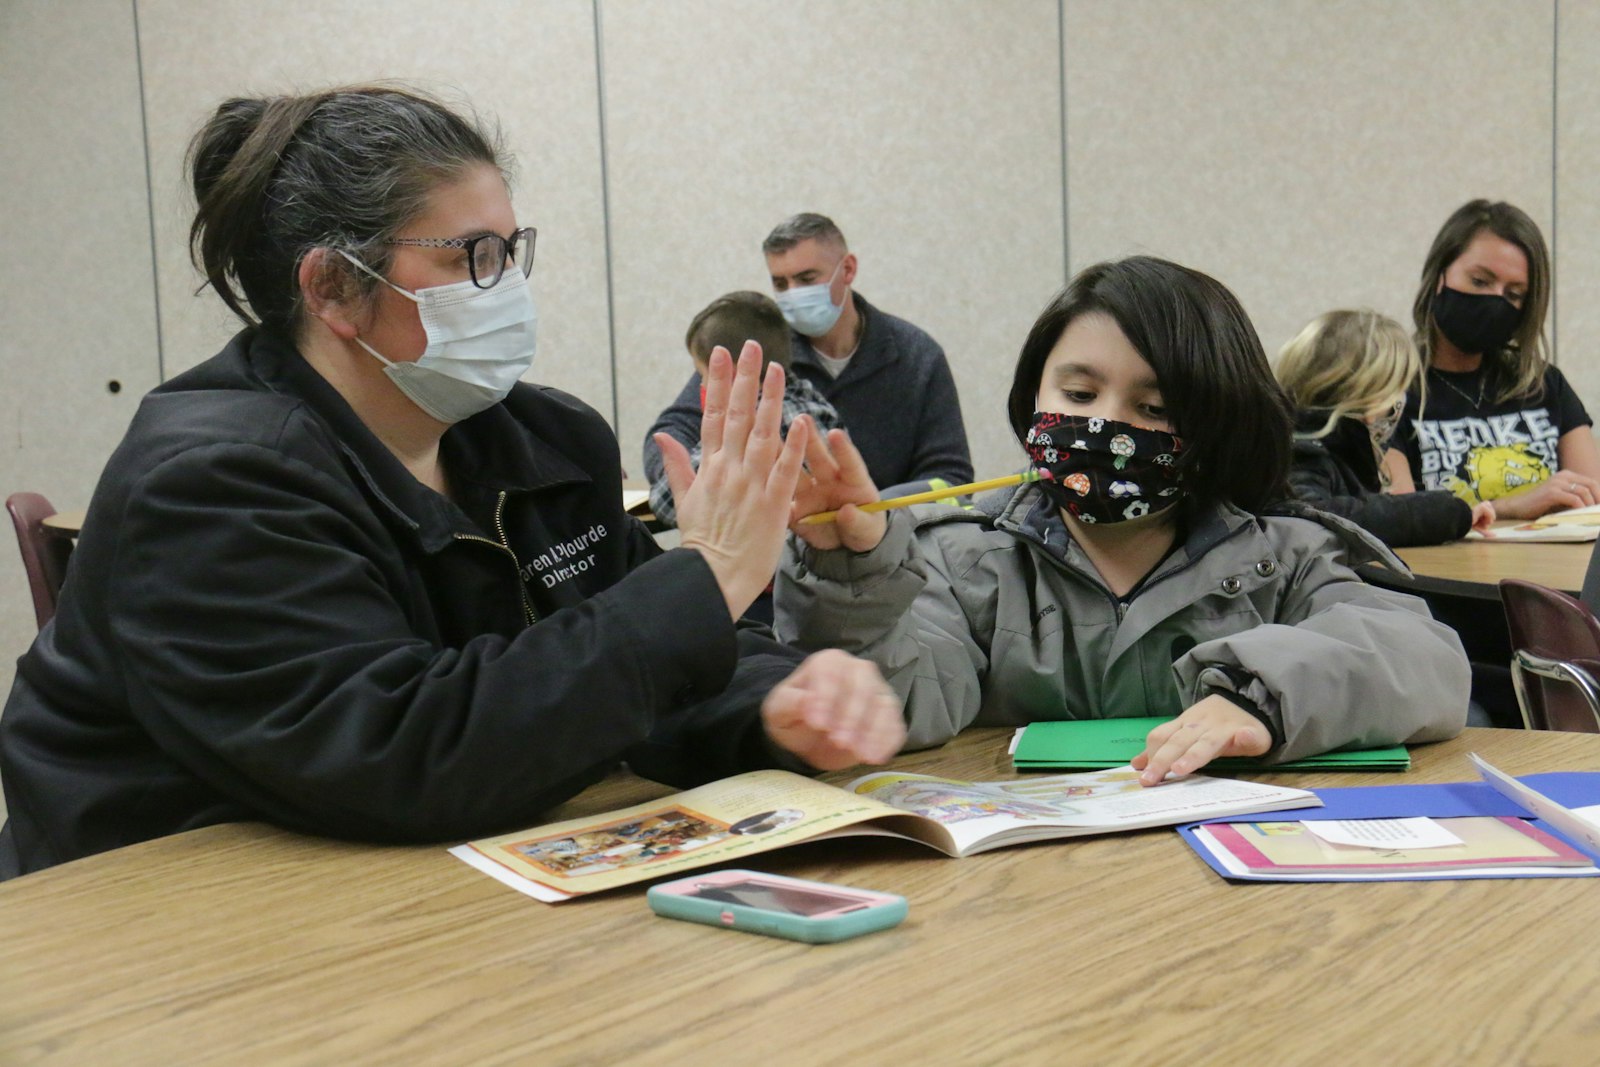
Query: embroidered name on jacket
x=564 y=561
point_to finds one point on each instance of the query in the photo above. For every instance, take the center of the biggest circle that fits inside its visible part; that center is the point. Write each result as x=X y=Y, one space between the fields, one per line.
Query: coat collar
x=494 y=451
x=1227 y=552
x=1350 y=441
x=1028 y=513
x=876 y=351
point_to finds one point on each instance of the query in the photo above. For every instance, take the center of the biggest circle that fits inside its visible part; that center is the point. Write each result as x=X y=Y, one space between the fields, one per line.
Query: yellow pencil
x=931 y=495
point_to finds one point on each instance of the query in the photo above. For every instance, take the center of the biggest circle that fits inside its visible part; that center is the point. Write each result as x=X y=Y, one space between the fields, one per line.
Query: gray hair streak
x=807 y=225
x=345 y=169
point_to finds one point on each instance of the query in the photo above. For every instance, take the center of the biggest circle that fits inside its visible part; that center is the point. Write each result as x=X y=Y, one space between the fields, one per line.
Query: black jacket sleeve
x=1422 y=518
x=720 y=733
x=280 y=659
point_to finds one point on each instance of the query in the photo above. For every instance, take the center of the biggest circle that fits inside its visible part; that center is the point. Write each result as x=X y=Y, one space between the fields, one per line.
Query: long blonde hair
x=1349 y=362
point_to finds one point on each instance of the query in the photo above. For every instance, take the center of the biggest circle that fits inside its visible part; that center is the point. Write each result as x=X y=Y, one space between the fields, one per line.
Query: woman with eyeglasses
x=1493 y=419
x=352 y=577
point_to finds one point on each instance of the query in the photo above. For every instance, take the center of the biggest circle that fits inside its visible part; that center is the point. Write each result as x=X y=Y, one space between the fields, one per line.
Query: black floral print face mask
x=1102 y=470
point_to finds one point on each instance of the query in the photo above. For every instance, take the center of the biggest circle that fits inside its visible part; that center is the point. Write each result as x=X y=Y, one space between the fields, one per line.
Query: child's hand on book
x=835 y=711
x=1215 y=726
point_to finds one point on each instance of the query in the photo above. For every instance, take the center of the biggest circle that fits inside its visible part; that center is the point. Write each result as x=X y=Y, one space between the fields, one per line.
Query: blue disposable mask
x=480 y=344
x=810 y=309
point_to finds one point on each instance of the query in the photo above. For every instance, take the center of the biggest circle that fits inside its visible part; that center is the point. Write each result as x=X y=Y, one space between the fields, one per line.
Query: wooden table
x=1473 y=568
x=64 y=523
x=252 y=945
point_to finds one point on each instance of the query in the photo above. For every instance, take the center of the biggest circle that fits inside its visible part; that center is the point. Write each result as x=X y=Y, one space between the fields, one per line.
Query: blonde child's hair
x=1349 y=362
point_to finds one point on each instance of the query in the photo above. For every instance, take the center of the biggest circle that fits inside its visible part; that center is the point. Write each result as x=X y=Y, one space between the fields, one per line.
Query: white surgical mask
x=480 y=344
x=810 y=309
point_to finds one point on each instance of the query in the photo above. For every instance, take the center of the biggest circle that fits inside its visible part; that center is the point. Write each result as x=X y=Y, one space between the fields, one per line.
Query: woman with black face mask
x=1499 y=421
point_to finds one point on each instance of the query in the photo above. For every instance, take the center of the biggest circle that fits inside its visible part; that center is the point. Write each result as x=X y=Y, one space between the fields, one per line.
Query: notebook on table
x=1092 y=744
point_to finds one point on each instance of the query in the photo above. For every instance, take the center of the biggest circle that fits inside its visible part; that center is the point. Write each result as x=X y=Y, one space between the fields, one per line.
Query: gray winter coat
x=996 y=618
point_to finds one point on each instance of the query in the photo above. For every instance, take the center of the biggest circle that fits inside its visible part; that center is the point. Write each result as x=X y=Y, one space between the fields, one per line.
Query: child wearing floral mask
x=1157 y=568
x=1347 y=374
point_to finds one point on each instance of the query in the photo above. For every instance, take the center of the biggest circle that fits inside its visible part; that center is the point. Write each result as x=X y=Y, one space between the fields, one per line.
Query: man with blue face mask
x=888 y=380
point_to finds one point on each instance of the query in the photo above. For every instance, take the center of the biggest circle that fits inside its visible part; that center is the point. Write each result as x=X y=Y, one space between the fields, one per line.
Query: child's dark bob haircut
x=1215 y=380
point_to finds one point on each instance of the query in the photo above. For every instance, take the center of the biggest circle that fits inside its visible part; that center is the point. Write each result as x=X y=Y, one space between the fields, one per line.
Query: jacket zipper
x=1117 y=605
x=529 y=616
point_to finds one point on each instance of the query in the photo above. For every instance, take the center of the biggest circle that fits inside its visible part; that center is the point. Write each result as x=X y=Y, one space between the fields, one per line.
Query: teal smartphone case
x=776 y=924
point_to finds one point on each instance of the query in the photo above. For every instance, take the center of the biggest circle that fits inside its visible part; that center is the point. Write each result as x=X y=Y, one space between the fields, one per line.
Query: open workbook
x=1575 y=524
x=762 y=810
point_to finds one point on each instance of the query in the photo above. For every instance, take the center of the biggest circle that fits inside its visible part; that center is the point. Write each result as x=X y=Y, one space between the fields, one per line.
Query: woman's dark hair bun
x=346 y=169
x=220 y=140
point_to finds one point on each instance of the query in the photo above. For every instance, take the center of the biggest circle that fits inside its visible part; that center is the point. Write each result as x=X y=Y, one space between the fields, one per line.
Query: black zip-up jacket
x=267 y=617
x=1339 y=474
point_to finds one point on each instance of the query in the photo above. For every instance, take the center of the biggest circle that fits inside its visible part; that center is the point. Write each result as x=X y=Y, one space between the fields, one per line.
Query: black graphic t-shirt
x=1489 y=450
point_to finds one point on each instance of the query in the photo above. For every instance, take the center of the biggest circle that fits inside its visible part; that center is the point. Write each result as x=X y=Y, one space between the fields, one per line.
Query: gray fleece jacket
x=996 y=617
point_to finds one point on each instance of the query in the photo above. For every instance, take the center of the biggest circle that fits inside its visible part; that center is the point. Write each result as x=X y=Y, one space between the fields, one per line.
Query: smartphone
x=771 y=904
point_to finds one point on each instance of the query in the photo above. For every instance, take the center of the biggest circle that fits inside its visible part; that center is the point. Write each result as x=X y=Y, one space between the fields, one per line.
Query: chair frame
x=1524 y=663
x=44 y=554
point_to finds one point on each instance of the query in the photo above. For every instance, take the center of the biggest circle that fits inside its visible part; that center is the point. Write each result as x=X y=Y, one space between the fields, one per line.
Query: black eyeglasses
x=487 y=253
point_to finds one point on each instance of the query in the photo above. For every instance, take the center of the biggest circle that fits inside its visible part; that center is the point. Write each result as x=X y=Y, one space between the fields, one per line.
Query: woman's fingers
x=1573 y=490
x=786 y=471
x=719 y=379
x=735 y=511
x=766 y=431
x=679 y=467
x=742 y=402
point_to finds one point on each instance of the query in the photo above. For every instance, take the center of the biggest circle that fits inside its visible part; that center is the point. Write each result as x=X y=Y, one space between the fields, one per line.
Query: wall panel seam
x=1061 y=82
x=1555 y=177
x=605 y=215
x=149 y=197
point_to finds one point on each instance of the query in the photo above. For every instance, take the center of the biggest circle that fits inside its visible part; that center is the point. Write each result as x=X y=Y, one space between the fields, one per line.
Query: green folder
x=1093 y=744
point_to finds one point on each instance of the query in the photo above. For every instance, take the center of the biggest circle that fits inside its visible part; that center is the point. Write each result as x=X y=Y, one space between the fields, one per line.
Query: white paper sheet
x=1383 y=833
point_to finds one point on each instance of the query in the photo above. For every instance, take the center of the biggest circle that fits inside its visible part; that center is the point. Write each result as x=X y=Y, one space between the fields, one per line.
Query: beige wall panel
x=1304 y=153
x=928 y=130
x=76 y=292
x=1577 y=241
x=528 y=64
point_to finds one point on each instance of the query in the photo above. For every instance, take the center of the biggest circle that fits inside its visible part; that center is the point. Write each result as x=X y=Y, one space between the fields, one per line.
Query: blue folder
x=1570 y=789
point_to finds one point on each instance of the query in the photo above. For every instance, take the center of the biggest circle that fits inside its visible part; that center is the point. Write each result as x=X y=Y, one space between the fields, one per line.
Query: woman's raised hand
x=836 y=479
x=734 y=510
